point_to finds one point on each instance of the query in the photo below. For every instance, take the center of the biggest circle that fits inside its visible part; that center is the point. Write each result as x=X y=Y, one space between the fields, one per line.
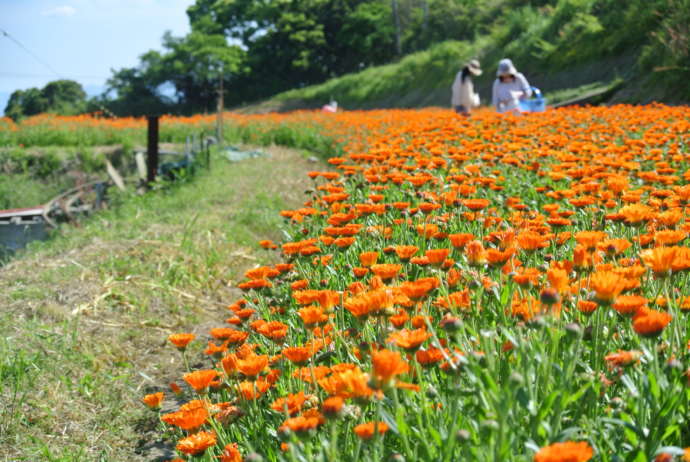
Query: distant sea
x=91 y=90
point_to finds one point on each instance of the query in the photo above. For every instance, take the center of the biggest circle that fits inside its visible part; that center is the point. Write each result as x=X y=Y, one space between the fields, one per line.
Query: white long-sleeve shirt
x=463 y=92
x=506 y=95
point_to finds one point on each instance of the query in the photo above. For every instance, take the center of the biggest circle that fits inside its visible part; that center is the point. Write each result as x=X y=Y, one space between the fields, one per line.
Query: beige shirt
x=463 y=92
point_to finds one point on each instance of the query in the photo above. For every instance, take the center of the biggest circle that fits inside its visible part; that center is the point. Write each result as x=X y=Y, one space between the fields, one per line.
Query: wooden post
x=152 y=149
x=220 y=108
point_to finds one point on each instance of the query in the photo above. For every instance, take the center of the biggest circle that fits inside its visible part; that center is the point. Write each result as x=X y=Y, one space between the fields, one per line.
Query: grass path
x=85 y=316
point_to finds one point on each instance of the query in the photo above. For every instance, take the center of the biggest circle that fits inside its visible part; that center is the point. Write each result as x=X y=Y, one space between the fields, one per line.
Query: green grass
x=569 y=94
x=84 y=313
x=33 y=176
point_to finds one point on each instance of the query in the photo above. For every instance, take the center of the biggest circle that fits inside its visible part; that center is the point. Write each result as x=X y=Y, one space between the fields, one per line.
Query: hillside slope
x=634 y=52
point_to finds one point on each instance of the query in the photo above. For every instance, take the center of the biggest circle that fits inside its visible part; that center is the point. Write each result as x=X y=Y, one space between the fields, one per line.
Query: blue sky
x=81 y=39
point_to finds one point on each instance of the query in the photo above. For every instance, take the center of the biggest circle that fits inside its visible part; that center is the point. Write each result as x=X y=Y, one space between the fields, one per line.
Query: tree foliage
x=65 y=97
x=260 y=48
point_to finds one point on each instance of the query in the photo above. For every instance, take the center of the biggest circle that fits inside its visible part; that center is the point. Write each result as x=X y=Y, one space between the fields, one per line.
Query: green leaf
x=547 y=404
x=653 y=386
x=391 y=421
x=577 y=395
x=638 y=431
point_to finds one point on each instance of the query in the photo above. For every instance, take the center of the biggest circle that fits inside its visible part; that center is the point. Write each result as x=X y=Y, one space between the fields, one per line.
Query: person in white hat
x=509 y=88
x=464 y=98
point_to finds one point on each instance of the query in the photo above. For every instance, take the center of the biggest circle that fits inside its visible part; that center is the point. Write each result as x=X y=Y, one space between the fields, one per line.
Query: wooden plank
x=141 y=165
x=114 y=175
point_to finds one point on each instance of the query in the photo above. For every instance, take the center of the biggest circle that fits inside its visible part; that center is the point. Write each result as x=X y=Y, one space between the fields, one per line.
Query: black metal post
x=152 y=149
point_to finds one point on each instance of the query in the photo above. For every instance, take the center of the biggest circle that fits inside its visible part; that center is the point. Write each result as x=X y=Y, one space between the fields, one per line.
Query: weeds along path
x=86 y=315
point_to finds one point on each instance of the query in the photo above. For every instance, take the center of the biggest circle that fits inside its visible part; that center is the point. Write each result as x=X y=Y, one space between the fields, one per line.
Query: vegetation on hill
x=636 y=52
x=65 y=97
x=261 y=49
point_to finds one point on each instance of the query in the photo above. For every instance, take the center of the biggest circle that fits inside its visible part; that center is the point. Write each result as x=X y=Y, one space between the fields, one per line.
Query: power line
x=20 y=45
x=48 y=66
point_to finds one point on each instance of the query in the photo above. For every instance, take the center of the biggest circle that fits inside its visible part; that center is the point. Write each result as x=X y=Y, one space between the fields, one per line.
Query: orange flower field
x=493 y=288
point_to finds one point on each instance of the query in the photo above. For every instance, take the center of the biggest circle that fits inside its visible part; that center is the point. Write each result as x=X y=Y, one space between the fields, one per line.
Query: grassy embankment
x=42 y=156
x=86 y=313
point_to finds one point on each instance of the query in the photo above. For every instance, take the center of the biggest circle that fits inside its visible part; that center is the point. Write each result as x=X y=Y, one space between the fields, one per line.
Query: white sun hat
x=505 y=67
x=474 y=67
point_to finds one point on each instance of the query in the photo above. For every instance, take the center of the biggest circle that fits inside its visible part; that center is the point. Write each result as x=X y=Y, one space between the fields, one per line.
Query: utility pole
x=396 y=20
x=221 y=104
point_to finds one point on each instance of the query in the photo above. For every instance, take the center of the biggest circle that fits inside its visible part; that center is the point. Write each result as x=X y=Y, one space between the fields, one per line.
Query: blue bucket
x=535 y=104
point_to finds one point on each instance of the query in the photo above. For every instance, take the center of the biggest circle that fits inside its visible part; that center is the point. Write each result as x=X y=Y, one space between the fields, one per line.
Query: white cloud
x=62 y=11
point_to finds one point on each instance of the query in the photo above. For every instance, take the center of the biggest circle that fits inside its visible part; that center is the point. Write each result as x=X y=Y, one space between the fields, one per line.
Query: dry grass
x=86 y=316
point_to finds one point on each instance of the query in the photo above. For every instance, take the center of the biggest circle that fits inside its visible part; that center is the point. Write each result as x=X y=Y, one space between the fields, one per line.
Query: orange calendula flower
x=200 y=380
x=387 y=365
x=429 y=356
x=255 y=284
x=409 y=340
x=196 y=443
x=386 y=271
x=154 y=400
x=230 y=453
x=299 y=355
x=607 y=285
x=267 y=244
x=181 y=340
x=309 y=420
x=586 y=306
x=628 y=305
x=332 y=406
x=650 y=323
x=368 y=258
x=232 y=336
x=614 y=246
x=475 y=204
x=252 y=365
x=569 y=451
x=312 y=316
x=590 y=239
x=189 y=418
x=253 y=390
x=291 y=404
x=436 y=257
x=405 y=252
x=475 y=253
x=350 y=383
x=636 y=214
x=367 y=430
x=274 y=330
x=460 y=240
x=669 y=237
x=623 y=358
x=660 y=260
x=531 y=240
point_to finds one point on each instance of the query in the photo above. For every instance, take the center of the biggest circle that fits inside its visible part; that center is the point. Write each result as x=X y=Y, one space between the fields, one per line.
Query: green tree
x=182 y=79
x=65 y=97
x=292 y=43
